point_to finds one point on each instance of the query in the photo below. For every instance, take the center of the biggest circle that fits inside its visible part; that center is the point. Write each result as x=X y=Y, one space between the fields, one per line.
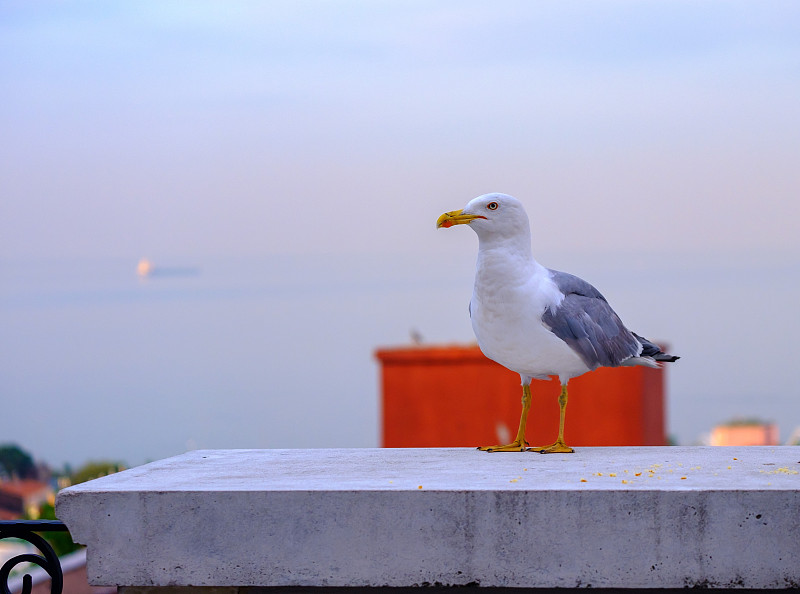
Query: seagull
x=536 y=321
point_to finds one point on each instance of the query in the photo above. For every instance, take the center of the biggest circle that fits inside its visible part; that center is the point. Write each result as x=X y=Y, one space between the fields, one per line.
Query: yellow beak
x=456 y=217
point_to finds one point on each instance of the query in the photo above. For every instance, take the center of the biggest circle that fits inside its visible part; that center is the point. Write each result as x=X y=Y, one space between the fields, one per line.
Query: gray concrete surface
x=602 y=517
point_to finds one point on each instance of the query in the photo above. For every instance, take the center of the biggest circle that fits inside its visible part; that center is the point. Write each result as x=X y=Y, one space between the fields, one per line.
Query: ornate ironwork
x=48 y=560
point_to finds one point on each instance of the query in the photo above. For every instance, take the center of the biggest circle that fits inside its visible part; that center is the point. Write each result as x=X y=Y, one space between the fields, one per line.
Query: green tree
x=93 y=470
x=16 y=462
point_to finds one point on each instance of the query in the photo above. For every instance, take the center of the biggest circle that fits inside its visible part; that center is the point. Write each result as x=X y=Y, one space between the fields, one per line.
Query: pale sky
x=655 y=145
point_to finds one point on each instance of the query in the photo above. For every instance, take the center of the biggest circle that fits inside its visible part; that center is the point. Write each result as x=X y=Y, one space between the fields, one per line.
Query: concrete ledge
x=602 y=518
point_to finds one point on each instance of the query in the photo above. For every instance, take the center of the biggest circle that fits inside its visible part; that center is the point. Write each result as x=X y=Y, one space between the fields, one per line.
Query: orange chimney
x=454 y=396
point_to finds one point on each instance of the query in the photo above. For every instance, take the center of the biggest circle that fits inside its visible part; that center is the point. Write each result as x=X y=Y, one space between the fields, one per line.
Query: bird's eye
x=492 y=206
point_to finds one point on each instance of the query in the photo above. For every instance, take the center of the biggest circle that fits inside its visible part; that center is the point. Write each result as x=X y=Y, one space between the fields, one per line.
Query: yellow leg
x=559 y=447
x=519 y=444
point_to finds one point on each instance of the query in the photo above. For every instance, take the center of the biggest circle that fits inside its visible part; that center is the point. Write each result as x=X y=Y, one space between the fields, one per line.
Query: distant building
x=24 y=495
x=7 y=515
x=745 y=432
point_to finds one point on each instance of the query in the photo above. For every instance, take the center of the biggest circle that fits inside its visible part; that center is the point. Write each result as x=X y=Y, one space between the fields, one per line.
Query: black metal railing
x=48 y=560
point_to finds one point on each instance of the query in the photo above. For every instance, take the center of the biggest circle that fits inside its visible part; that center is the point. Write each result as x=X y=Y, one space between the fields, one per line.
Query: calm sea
x=98 y=363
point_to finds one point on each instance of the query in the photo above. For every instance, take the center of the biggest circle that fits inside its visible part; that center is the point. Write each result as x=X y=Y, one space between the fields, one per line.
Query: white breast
x=506 y=312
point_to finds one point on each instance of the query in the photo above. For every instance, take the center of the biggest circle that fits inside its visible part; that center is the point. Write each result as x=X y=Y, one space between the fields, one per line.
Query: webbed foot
x=514 y=446
x=559 y=447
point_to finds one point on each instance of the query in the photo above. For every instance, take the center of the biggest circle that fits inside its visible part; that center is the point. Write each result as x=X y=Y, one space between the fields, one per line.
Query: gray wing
x=586 y=322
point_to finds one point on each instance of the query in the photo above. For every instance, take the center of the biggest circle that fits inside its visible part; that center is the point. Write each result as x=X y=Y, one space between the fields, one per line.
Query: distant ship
x=145 y=267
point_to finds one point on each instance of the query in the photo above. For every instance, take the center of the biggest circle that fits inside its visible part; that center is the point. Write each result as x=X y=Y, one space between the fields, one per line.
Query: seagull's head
x=490 y=215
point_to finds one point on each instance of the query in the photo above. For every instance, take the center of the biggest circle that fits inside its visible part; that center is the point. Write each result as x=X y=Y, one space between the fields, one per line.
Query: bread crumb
x=781 y=470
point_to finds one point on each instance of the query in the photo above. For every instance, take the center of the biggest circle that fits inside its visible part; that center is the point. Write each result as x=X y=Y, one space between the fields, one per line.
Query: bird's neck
x=506 y=259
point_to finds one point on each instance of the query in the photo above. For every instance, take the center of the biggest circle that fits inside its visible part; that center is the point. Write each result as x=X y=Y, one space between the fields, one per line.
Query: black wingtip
x=650 y=349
